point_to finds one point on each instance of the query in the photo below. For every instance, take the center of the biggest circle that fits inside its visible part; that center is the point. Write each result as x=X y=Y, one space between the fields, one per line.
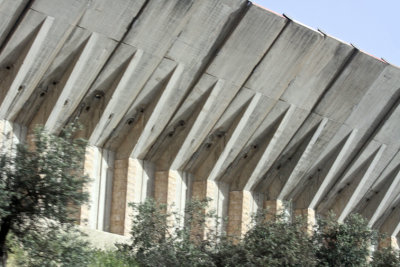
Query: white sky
x=371 y=25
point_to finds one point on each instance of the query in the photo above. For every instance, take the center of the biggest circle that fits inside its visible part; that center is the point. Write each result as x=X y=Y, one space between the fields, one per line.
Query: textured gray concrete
x=210 y=96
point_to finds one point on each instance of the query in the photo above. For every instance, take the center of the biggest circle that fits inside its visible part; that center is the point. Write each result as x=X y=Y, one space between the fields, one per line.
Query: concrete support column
x=173 y=189
x=125 y=172
x=88 y=212
x=239 y=212
x=242 y=206
x=309 y=216
x=218 y=194
x=2 y=132
x=207 y=189
x=389 y=242
x=274 y=208
x=10 y=135
x=98 y=166
x=132 y=183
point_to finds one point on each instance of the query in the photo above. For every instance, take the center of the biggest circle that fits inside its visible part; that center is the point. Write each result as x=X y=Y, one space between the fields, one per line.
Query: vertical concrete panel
x=91 y=169
x=11 y=134
x=105 y=190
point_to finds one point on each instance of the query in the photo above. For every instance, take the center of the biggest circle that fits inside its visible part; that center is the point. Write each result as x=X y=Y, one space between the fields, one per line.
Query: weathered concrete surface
x=186 y=99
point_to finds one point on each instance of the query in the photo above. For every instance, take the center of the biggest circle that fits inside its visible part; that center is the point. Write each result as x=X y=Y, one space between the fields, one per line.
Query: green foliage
x=343 y=244
x=40 y=188
x=386 y=257
x=101 y=258
x=160 y=239
x=276 y=242
x=50 y=247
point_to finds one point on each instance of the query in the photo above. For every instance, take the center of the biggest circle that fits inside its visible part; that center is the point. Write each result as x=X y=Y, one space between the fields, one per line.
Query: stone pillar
x=205 y=189
x=173 y=189
x=218 y=194
x=165 y=187
x=130 y=185
x=239 y=213
x=309 y=216
x=273 y=208
x=389 y=242
x=125 y=172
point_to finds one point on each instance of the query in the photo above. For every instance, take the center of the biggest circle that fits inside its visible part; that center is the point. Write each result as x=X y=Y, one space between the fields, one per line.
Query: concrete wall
x=210 y=98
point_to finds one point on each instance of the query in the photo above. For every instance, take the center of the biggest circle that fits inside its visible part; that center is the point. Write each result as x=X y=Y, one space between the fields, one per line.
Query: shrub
x=40 y=189
x=273 y=242
x=159 y=237
x=53 y=246
x=386 y=257
x=111 y=258
x=343 y=244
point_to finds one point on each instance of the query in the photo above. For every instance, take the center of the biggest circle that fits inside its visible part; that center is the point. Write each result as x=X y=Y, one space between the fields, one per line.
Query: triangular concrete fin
x=304 y=193
x=240 y=170
x=124 y=137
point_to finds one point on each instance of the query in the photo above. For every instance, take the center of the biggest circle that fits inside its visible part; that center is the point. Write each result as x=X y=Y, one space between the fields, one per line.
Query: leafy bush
x=343 y=244
x=159 y=238
x=101 y=258
x=279 y=242
x=40 y=189
x=53 y=246
x=386 y=257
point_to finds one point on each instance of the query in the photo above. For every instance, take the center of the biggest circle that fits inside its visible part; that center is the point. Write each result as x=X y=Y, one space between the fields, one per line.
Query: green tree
x=276 y=241
x=53 y=246
x=40 y=187
x=160 y=238
x=281 y=241
x=343 y=244
x=111 y=258
x=386 y=257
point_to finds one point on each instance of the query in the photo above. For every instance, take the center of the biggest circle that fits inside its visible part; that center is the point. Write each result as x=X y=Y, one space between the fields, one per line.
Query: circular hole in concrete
x=98 y=94
x=220 y=134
